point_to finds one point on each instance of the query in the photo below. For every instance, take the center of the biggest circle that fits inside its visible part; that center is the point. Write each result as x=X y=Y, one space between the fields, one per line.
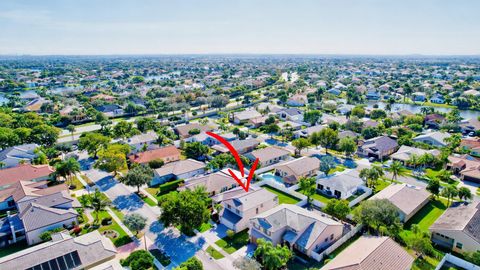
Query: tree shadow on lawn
x=175 y=245
x=129 y=202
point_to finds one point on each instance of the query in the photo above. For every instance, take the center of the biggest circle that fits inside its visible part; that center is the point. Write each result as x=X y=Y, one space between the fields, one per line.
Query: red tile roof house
x=466 y=166
x=167 y=154
x=24 y=172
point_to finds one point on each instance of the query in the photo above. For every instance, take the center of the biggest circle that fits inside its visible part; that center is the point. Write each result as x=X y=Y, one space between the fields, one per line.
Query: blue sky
x=243 y=26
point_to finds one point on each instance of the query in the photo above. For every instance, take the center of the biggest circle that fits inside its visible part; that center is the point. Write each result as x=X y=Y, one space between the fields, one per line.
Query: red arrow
x=235 y=154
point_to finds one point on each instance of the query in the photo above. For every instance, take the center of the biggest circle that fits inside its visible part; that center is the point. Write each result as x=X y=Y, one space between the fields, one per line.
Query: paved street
x=177 y=246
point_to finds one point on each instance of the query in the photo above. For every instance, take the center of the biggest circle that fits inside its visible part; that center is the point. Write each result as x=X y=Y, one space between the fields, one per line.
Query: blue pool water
x=272 y=176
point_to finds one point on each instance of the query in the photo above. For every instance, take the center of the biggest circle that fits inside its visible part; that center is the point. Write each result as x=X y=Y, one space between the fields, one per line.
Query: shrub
x=169 y=186
x=87 y=226
x=77 y=230
x=122 y=241
x=156 y=163
x=138 y=260
x=106 y=221
x=230 y=233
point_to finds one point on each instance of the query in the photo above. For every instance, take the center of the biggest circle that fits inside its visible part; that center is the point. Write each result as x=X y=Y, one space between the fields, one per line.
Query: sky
x=377 y=27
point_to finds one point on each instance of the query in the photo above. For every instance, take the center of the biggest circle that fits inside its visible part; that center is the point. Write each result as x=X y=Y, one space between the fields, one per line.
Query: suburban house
x=307 y=132
x=408 y=199
x=184 y=131
x=291 y=114
x=370 y=252
x=257 y=121
x=470 y=125
x=39 y=208
x=146 y=140
x=12 y=156
x=467 y=167
x=238 y=210
x=419 y=97
x=458 y=228
x=404 y=153
x=436 y=138
x=297 y=100
x=24 y=172
x=214 y=183
x=434 y=120
x=242 y=146
x=297 y=228
x=347 y=133
x=243 y=117
x=110 y=110
x=342 y=185
x=181 y=169
x=345 y=108
x=167 y=154
x=373 y=95
x=328 y=118
x=63 y=252
x=378 y=147
x=268 y=107
x=269 y=155
x=471 y=144
x=291 y=171
x=437 y=98
x=289 y=125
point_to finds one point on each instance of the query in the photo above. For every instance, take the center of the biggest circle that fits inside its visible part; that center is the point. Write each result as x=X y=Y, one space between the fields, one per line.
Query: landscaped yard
x=205 y=227
x=149 y=201
x=338 y=168
x=78 y=185
x=214 y=253
x=13 y=248
x=381 y=184
x=230 y=245
x=428 y=214
x=320 y=197
x=122 y=237
x=282 y=196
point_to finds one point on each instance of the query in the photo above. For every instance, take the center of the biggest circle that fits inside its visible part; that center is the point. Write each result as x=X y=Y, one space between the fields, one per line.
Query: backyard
x=282 y=196
x=428 y=214
x=214 y=253
x=232 y=244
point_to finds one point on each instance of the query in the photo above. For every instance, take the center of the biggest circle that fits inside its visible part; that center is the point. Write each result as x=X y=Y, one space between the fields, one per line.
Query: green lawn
x=428 y=214
x=230 y=245
x=381 y=184
x=149 y=201
x=13 y=248
x=214 y=253
x=152 y=191
x=282 y=196
x=338 y=168
x=122 y=238
x=205 y=227
x=78 y=185
x=321 y=198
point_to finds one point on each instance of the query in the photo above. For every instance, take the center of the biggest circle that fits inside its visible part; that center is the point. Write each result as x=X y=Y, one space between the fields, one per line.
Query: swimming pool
x=271 y=176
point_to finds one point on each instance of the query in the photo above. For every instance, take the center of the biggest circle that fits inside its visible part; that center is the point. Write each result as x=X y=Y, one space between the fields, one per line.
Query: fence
x=457 y=261
x=282 y=188
x=366 y=192
x=319 y=256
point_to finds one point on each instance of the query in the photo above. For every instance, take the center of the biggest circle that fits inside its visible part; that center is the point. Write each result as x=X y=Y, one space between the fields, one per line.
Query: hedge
x=169 y=186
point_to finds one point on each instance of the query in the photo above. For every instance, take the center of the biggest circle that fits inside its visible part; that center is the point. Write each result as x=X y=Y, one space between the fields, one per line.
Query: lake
x=466 y=114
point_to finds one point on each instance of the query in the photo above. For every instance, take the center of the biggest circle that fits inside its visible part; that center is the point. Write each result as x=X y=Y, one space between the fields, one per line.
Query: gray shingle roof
x=343 y=182
x=38 y=216
x=92 y=248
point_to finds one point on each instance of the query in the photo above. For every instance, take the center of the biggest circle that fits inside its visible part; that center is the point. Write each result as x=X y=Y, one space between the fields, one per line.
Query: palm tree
x=450 y=192
x=98 y=203
x=71 y=129
x=413 y=161
x=397 y=169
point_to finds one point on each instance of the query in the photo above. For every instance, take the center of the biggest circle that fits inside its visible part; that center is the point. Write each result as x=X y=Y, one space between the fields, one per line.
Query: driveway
x=179 y=247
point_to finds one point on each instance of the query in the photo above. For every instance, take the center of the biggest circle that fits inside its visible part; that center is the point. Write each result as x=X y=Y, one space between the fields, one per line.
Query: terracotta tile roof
x=24 y=172
x=160 y=153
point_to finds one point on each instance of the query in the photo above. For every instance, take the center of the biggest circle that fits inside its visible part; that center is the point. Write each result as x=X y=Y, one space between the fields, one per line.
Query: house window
x=326 y=239
x=459 y=245
x=236 y=210
x=261 y=205
x=256 y=211
x=331 y=236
